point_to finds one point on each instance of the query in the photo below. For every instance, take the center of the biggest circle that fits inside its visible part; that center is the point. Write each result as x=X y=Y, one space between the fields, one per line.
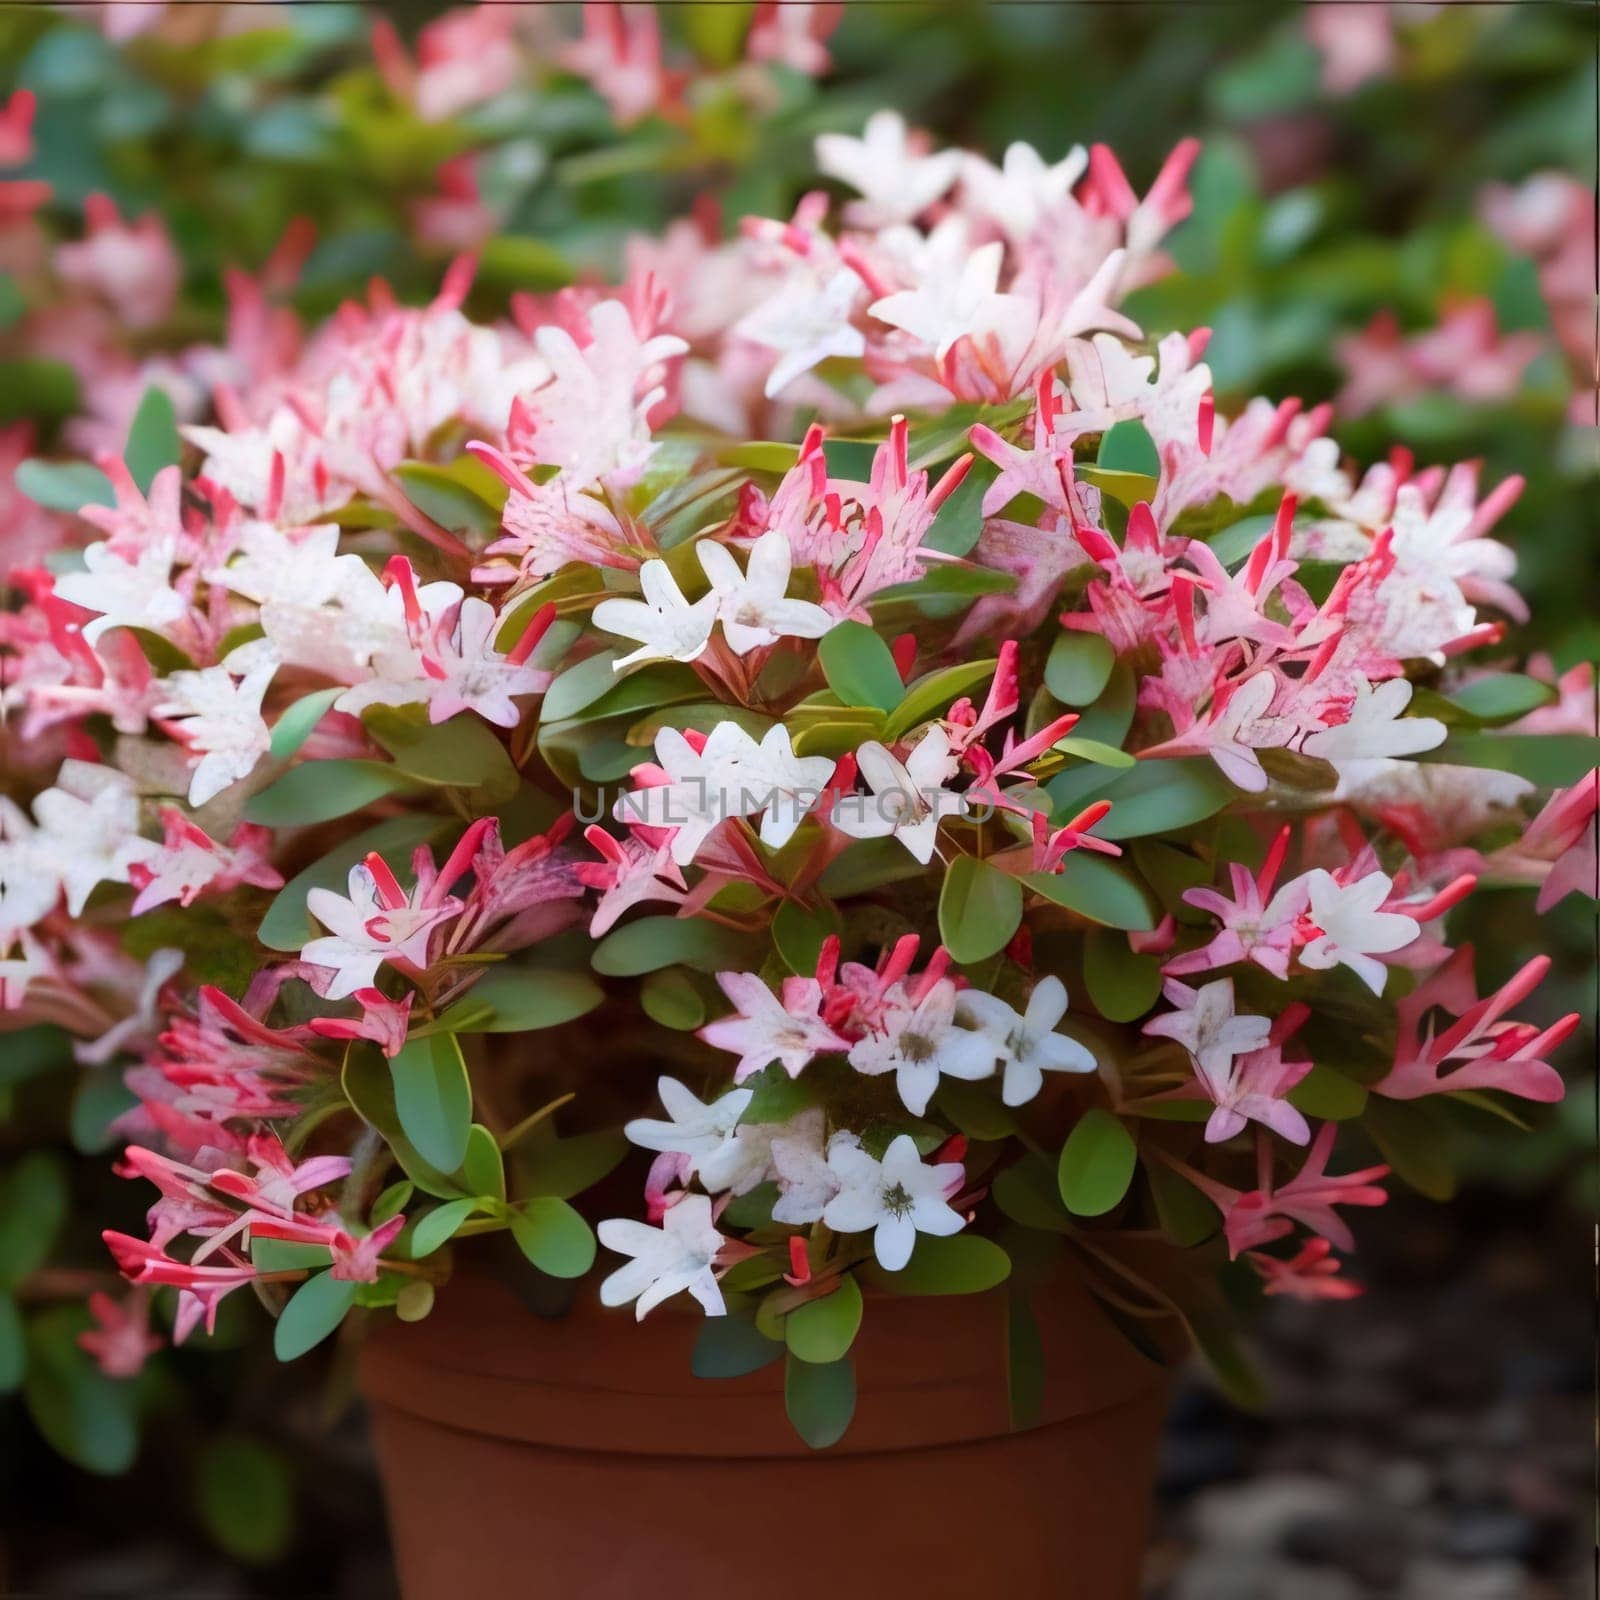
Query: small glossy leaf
x=86 y=1416
x=1128 y=447
x=318 y=791
x=565 y=1167
x=246 y=1498
x=934 y=692
x=1097 y=1164
x=33 y=1206
x=822 y=1330
x=438 y=1227
x=483 y=1169
x=655 y=942
x=859 y=667
x=64 y=485
x=1486 y=702
x=1327 y=1095
x=1078 y=667
x=820 y=1400
x=433 y=1098
x=980 y=908
x=670 y=998
x=300 y=720
x=314 y=1310
x=463 y=753
x=153 y=441
x=1547 y=760
x=732 y=1346
x=798 y=933
x=1097 y=889
x=1122 y=985
x=964 y=1263
x=553 y=1237
x=522 y=999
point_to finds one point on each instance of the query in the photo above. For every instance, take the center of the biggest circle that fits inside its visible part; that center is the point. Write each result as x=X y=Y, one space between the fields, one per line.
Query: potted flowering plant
x=823 y=786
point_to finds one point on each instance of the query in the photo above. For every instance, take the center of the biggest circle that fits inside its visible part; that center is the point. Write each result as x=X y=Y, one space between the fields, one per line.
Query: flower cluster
x=810 y=659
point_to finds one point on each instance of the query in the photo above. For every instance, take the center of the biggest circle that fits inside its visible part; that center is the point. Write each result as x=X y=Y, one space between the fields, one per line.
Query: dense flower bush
x=902 y=756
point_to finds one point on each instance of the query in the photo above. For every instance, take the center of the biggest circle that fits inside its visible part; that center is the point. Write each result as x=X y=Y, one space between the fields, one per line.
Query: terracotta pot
x=578 y=1457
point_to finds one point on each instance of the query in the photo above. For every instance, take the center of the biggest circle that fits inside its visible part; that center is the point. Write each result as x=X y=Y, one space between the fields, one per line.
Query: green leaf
x=314 y=1310
x=580 y=685
x=391 y=1202
x=933 y=693
x=64 y=485
x=1027 y=1192
x=1547 y=760
x=1097 y=889
x=670 y=998
x=980 y=908
x=1128 y=447
x=1486 y=702
x=287 y=925
x=1232 y=544
x=86 y=1416
x=1126 y=488
x=561 y=1168
x=13 y=1345
x=463 y=753
x=731 y=1347
x=245 y=1497
x=1410 y=1136
x=100 y=1098
x=975 y=1110
x=33 y=1206
x=1111 y=715
x=859 y=667
x=1155 y=797
x=433 y=1098
x=435 y=1229
x=1122 y=985
x=799 y=932
x=1102 y=755
x=775 y=1096
x=289 y=1255
x=1097 y=1164
x=821 y=1331
x=1024 y=1362
x=318 y=791
x=1187 y=1217
x=655 y=942
x=1078 y=667
x=820 y=1400
x=453 y=496
x=153 y=441
x=518 y=261
x=47 y=391
x=1327 y=1095
x=483 y=1168
x=553 y=1237
x=958 y=524
x=522 y=999
x=964 y=1263
x=299 y=721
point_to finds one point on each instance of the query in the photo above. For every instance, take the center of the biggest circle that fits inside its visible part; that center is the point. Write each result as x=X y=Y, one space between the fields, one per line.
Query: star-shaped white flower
x=1023 y=189
x=296 y=566
x=666 y=625
x=918 y=1040
x=896 y=1198
x=806 y=1183
x=89 y=838
x=467 y=673
x=1352 y=928
x=127 y=594
x=753 y=605
x=1206 y=1025
x=764 y=1029
x=218 y=719
x=1376 y=728
x=783 y=786
x=895 y=181
x=704 y=787
x=806 y=321
x=1028 y=1045
x=367 y=928
x=29 y=886
x=908 y=798
x=677 y=1256
x=955 y=293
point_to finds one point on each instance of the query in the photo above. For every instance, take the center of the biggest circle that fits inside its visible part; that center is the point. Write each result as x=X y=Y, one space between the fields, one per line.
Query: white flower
x=807 y=322
x=221 y=721
x=806 y=1182
x=1376 y=728
x=694 y=1128
x=897 y=184
x=29 y=887
x=90 y=837
x=1206 y=1026
x=676 y=1256
x=127 y=594
x=917 y=1040
x=753 y=604
x=1353 y=929
x=898 y=1197
x=467 y=673
x=667 y=626
x=368 y=928
x=1023 y=189
x=300 y=566
x=955 y=293
x=764 y=1029
x=907 y=799
x=1028 y=1046
x=730 y=776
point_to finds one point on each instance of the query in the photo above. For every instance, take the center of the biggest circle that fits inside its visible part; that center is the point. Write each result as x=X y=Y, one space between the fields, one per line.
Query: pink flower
x=121 y=1342
x=1480 y=1050
x=463 y=58
x=764 y=1029
x=133 y=266
x=620 y=55
x=191 y=863
x=1311 y=1274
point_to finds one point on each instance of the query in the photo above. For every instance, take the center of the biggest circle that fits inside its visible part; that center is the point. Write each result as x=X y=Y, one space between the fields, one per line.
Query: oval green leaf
x=1097 y=1164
